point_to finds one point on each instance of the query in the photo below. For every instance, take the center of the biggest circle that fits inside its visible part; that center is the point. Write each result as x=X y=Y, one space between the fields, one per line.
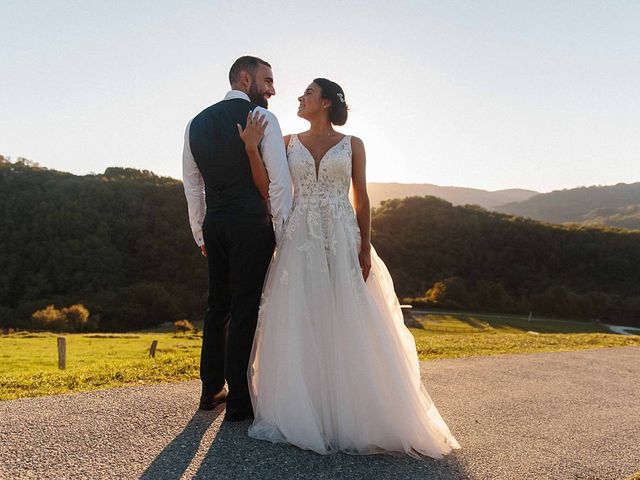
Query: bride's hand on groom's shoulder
x=254 y=131
x=364 y=258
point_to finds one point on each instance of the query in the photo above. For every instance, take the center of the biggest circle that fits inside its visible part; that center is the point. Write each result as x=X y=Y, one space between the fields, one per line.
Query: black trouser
x=239 y=250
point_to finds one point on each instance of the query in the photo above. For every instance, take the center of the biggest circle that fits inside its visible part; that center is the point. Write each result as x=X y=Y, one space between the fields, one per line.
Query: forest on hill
x=611 y=205
x=119 y=244
x=467 y=257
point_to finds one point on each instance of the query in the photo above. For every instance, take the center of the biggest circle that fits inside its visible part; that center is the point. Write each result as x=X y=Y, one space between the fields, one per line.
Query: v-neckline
x=318 y=164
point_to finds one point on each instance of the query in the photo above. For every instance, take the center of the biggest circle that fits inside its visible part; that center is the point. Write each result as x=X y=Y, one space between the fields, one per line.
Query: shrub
x=184 y=326
x=49 y=318
x=70 y=319
x=78 y=318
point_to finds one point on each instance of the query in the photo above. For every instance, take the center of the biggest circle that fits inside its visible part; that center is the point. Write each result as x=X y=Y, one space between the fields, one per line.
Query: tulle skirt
x=333 y=367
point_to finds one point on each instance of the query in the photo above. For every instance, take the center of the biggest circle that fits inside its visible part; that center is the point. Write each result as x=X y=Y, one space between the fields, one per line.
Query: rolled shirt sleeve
x=193 y=190
x=274 y=157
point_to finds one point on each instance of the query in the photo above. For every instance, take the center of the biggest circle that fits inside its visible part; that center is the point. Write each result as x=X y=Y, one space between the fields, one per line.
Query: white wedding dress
x=333 y=367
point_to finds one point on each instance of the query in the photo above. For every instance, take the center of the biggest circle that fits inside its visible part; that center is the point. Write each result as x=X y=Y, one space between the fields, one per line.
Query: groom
x=232 y=225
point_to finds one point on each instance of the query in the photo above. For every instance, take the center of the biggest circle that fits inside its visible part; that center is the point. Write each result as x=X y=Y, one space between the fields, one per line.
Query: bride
x=333 y=368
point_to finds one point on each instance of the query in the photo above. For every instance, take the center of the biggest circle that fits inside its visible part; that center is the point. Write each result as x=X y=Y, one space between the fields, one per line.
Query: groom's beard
x=257 y=97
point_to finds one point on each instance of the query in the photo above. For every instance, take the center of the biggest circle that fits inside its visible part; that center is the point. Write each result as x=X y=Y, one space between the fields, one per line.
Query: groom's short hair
x=247 y=63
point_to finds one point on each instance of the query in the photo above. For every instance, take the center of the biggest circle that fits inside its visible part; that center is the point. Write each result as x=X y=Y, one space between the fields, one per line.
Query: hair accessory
x=340 y=96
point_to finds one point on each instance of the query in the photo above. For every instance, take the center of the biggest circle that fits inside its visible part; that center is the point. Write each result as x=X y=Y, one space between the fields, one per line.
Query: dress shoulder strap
x=290 y=144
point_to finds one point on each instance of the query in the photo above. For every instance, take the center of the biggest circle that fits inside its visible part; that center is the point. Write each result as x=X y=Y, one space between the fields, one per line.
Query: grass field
x=466 y=335
x=28 y=361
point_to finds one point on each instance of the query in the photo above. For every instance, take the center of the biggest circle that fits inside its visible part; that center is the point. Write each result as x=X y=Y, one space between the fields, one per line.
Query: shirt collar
x=231 y=94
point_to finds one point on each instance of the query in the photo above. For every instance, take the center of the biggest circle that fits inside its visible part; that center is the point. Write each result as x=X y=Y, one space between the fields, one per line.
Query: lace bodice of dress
x=322 y=201
x=334 y=172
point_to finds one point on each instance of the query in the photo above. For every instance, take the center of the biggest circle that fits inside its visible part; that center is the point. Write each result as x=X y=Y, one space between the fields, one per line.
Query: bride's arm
x=251 y=136
x=361 y=203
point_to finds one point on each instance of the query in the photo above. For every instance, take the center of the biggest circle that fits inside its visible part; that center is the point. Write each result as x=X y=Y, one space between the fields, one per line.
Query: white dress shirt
x=274 y=157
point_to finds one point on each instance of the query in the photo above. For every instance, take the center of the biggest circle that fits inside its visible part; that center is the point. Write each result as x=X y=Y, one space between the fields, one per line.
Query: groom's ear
x=245 y=79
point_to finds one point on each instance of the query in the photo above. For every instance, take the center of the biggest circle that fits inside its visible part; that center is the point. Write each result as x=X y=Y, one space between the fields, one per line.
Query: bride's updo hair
x=333 y=92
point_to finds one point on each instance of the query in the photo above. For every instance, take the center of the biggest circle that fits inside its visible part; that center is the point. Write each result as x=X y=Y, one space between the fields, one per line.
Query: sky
x=496 y=94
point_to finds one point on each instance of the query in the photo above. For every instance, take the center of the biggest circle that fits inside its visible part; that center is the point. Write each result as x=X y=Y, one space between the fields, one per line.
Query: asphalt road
x=562 y=415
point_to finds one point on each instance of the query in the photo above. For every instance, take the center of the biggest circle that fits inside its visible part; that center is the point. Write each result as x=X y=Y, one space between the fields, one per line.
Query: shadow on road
x=176 y=457
x=234 y=455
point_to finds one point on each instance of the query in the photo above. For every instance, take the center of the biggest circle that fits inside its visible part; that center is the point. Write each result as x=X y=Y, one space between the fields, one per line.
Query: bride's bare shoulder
x=356 y=142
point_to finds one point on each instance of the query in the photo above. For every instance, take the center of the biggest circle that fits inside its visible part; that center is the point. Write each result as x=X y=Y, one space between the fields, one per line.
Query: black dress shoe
x=209 y=400
x=238 y=416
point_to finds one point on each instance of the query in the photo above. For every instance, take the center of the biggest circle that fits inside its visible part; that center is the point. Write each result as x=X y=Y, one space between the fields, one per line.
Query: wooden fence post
x=152 y=350
x=62 y=353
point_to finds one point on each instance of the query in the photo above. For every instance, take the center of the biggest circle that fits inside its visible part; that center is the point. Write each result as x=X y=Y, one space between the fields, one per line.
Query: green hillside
x=119 y=243
x=467 y=257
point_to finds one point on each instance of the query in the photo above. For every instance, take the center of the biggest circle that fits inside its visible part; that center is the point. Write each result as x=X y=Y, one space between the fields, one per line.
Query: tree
x=450 y=292
x=488 y=295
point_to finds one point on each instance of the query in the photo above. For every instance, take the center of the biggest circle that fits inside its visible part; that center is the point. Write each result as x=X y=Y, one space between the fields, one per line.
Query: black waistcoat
x=221 y=158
